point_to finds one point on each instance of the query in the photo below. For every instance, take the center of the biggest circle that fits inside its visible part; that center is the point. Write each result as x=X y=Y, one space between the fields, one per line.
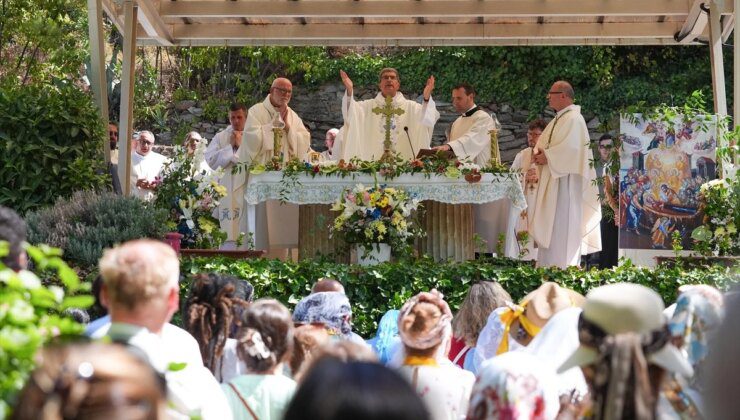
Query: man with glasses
x=146 y=167
x=258 y=147
x=518 y=220
x=565 y=219
x=365 y=122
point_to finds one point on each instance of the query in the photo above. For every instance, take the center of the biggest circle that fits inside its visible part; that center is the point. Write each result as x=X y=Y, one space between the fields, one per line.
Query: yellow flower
x=719 y=231
x=206 y=225
x=731 y=228
x=219 y=189
x=380 y=227
x=368 y=233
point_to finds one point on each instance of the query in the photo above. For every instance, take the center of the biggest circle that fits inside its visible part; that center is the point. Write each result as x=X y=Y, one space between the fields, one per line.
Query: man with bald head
x=257 y=147
x=565 y=219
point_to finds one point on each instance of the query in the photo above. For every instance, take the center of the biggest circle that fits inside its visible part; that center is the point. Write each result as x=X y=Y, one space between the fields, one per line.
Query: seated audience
x=425 y=329
x=212 y=314
x=306 y=340
x=514 y=326
x=141 y=291
x=337 y=390
x=265 y=343
x=625 y=351
x=326 y=284
x=92 y=381
x=697 y=316
x=515 y=386
x=482 y=299
x=331 y=309
x=387 y=337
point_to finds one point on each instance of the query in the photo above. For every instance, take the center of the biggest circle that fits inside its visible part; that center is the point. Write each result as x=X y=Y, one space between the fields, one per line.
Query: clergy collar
x=571 y=107
x=471 y=111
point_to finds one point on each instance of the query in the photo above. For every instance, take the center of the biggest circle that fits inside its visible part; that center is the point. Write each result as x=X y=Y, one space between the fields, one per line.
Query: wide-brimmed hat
x=547 y=300
x=626 y=308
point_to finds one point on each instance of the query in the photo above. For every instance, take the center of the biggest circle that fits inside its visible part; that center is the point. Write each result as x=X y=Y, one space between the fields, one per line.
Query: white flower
x=469 y=165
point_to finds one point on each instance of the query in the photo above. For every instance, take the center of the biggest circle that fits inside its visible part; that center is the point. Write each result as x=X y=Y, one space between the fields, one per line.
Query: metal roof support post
x=130 y=11
x=97 y=65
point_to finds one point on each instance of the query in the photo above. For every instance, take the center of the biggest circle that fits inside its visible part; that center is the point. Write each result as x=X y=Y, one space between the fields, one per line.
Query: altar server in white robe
x=530 y=175
x=222 y=154
x=146 y=167
x=469 y=135
x=257 y=147
x=364 y=131
x=565 y=220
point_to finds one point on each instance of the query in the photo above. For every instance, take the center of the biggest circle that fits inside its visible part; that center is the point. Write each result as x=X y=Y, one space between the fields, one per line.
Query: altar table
x=449 y=219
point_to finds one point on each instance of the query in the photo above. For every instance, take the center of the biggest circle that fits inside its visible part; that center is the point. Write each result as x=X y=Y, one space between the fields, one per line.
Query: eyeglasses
x=606 y=146
x=146 y=142
x=113 y=133
x=283 y=91
x=389 y=77
x=534 y=133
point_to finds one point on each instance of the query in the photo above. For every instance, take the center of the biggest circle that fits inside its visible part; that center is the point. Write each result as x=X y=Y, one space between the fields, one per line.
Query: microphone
x=413 y=153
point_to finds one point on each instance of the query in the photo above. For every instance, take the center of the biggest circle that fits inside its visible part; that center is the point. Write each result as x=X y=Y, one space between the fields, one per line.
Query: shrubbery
x=374 y=290
x=51 y=144
x=88 y=222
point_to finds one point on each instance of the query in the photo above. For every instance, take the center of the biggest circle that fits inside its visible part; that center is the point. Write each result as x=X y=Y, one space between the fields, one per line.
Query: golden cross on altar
x=388 y=111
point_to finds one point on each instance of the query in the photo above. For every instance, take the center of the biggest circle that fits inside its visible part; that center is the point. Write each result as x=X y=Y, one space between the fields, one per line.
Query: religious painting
x=662 y=166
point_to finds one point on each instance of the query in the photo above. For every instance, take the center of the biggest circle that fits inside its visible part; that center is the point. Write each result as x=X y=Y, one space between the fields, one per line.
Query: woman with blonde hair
x=483 y=298
x=92 y=381
x=425 y=329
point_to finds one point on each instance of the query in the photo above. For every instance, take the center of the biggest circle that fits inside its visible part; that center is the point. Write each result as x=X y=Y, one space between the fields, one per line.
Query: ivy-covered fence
x=374 y=290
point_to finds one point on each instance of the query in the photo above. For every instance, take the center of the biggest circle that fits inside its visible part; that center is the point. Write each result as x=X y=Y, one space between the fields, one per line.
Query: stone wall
x=320 y=110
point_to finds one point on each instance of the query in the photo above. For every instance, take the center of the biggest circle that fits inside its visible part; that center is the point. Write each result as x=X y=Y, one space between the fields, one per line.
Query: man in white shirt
x=146 y=167
x=141 y=291
x=469 y=135
x=365 y=125
x=222 y=154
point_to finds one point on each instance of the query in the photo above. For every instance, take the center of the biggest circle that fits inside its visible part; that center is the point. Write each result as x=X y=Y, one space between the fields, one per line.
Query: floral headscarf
x=699 y=310
x=332 y=309
x=438 y=333
x=514 y=385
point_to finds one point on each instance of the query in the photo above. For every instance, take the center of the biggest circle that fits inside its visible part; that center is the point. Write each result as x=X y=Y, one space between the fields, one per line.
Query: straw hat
x=627 y=308
x=548 y=300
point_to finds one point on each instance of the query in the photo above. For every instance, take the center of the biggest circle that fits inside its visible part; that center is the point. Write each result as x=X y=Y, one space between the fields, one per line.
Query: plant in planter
x=718 y=235
x=190 y=192
x=376 y=219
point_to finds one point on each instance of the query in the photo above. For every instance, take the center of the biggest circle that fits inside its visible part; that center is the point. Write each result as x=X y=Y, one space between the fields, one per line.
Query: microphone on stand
x=413 y=153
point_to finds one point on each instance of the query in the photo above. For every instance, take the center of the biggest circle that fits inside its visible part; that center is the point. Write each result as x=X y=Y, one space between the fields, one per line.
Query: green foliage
x=374 y=290
x=51 y=144
x=31 y=314
x=718 y=234
x=88 y=222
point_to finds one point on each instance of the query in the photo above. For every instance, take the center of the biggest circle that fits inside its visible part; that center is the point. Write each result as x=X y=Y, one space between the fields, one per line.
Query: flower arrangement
x=190 y=192
x=718 y=235
x=374 y=215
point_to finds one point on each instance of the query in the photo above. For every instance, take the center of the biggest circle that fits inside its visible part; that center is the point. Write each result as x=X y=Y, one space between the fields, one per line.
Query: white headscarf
x=557 y=340
x=514 y=385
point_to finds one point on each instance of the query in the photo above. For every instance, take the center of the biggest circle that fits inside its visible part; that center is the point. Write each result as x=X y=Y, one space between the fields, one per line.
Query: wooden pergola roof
x=420 y=22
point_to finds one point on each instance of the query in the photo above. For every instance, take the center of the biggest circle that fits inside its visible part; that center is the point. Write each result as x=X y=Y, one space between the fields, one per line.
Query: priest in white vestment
x=469 y=135
x=146 y=167
x=364 y=131
x=258 y=148
x=330 y=141
x=529 y=177
x=222 y=154
x=565 y=220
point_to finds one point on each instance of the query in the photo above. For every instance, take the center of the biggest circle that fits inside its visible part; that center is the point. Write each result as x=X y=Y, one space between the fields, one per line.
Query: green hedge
x=374 y=290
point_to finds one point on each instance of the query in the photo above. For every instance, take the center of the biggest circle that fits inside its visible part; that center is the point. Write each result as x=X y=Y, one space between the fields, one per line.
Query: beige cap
x=548 y=300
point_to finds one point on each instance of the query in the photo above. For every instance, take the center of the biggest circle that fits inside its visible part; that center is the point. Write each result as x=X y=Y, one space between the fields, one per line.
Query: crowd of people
x=616 y=353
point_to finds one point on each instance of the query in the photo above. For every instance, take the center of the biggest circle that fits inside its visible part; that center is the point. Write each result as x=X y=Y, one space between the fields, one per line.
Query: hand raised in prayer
x=236 y=139
x=540 y=158
x=429 y=88
x=347 y=82
x=284 y=116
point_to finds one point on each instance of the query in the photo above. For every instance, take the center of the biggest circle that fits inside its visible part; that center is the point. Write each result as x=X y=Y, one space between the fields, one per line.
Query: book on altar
x=447 y=154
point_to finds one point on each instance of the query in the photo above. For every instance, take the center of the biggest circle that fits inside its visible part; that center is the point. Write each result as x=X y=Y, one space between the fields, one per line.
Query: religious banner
x=662 y=166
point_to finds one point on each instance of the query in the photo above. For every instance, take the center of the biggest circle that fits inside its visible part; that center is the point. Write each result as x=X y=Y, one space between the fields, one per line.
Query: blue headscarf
x=386 y=337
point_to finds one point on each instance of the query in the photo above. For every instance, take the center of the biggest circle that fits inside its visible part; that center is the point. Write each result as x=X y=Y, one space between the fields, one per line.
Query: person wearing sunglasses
x=565 y=220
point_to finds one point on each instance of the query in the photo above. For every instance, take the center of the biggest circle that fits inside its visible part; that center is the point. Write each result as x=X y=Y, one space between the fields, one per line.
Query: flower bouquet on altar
x=190 y=192
x=718 y=234
x=375 y=219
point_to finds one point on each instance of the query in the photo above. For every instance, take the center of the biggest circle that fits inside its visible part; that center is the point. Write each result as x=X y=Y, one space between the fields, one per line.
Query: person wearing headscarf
x=625 y=351
x=331 y=309
x=697 y=315
x=514 y=386
x=513 y=326
x=387 y=336
x=424 y=325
